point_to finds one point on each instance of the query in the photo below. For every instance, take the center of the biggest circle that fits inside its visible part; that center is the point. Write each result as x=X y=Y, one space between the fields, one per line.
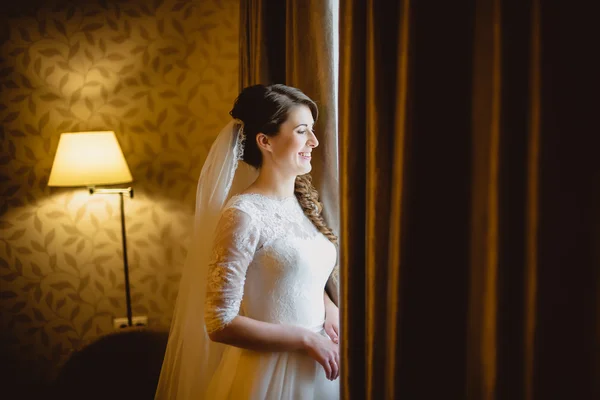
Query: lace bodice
x=270 y=263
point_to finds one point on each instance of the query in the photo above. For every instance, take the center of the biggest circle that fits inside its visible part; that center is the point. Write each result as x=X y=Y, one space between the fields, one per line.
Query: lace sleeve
x=333 y=285
x=235 y=242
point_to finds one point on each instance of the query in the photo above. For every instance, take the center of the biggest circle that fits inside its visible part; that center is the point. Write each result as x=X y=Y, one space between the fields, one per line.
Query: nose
x=312 y=140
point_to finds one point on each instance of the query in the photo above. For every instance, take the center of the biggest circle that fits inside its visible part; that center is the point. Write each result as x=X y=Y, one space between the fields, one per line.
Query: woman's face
x=290 y=150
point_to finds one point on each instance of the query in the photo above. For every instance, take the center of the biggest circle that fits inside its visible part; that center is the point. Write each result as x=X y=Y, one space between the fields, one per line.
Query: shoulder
x=242 y=202
x=237 y=216
x=243 y=206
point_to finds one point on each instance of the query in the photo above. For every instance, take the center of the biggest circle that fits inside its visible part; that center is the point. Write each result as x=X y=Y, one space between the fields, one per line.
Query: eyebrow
x=306 y=125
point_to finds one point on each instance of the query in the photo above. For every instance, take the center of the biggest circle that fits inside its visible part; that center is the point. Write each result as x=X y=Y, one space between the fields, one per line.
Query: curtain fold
x=293 y=42
x=484 y=246
x=469 y=212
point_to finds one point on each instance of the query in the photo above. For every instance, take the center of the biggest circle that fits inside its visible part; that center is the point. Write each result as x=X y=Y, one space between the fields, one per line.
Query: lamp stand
x=121 y=192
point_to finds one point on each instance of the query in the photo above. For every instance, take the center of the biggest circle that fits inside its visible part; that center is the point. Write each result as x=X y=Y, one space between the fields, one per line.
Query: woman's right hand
x=325 y=352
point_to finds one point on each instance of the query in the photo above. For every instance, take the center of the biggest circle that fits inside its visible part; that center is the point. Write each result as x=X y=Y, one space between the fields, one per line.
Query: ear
x=263 y=142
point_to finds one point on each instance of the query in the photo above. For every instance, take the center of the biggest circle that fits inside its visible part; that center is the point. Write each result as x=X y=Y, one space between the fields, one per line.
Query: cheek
x=291 y=148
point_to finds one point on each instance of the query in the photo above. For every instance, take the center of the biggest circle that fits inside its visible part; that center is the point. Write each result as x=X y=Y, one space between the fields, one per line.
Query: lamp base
x=136 y=320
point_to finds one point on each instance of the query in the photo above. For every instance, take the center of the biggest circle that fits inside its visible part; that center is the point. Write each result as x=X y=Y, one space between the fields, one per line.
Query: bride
x=253 y=319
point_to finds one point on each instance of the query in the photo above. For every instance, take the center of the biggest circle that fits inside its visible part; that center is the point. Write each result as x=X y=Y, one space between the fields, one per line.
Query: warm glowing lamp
x=90 y=159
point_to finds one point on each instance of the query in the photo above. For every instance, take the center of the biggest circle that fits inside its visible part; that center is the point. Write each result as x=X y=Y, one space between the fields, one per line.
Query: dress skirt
x=251 y=375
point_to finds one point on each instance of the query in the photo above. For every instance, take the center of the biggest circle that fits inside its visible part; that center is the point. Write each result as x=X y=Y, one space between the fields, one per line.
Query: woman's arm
x=251 y=334
x=257 y=335
x=332 y=318
x=328 y=302
x=333 y=285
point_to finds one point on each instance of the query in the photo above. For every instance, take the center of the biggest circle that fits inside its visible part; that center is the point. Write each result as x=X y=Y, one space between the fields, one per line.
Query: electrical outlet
x=136 y=320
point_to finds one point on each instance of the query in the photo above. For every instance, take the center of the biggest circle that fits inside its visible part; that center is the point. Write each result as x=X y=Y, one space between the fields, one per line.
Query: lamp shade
x=88 y=159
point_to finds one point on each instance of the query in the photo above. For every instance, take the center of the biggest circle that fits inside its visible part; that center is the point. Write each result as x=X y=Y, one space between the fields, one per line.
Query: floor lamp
x=90 y=159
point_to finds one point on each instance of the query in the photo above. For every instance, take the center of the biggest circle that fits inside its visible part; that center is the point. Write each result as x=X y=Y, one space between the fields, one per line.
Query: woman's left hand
x=332 y=322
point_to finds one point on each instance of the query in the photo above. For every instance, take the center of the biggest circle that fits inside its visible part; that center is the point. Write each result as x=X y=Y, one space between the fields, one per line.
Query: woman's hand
x=332 y=322
x=325 y=352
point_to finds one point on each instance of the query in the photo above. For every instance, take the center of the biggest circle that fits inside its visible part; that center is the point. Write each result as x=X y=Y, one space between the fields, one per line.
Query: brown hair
x=263 y=109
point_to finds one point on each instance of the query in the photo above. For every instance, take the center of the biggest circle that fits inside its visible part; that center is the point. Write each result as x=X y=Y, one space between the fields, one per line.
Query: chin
x=300 y=168
x=305 y=170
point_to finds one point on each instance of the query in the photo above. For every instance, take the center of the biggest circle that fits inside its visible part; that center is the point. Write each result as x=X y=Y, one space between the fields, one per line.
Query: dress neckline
x=277 y=199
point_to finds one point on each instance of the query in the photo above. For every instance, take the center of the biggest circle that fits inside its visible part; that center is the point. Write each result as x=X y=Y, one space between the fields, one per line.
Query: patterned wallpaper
x=163 y=75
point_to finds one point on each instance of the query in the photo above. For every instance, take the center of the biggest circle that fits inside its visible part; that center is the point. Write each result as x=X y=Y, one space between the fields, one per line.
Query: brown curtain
x=292 y=42
x=469 y=195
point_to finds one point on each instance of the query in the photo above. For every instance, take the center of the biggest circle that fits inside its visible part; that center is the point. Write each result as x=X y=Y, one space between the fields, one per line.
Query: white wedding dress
x=271 y=264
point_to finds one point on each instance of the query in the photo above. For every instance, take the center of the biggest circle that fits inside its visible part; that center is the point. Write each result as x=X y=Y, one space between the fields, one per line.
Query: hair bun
x=247 y=101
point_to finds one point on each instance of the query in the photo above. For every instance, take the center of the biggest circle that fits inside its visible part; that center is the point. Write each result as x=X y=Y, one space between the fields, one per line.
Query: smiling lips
x=306 y=156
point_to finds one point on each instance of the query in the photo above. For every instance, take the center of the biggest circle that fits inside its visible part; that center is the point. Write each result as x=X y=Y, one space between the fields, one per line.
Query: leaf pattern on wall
x=163 y=75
